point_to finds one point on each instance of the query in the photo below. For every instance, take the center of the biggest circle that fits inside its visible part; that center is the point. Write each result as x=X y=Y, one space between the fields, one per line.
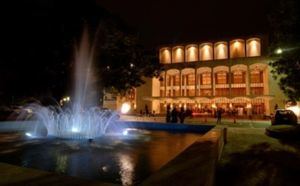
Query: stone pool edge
x=196 y=165
x=193 y=166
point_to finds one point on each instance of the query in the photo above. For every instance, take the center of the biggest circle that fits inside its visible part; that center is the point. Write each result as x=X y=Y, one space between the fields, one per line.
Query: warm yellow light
x=221 y=52
x=192 y=54
x=253 y=48
x=248 y=106
x=178 y=56
x=165 y=56
x=125 y=108
x=236 y=44
x=206 y=52
x=213 y=105
x=278 y=51
x=295 y=109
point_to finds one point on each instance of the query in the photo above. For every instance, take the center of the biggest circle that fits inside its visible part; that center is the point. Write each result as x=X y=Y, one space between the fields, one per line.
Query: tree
x=39 y=39
x=122 y=61
x=284 y=22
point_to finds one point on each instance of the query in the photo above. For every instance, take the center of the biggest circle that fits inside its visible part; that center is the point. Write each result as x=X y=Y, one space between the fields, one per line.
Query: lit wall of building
x=237 y=48
x=253 y=47
x=178 y=54
x=192 y=53
x=165 y=55
x=206 y=52
x=221 y=50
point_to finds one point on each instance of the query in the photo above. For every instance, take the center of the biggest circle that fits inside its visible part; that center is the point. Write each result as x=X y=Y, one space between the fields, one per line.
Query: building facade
x=231 y=74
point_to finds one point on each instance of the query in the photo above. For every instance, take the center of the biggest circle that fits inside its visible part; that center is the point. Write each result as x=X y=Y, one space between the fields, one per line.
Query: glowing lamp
x=74 y=129
x=278 y=51
x=28 y=134
x=125 y=108
x=125 y=132
x=248 y=106
x=294 y=109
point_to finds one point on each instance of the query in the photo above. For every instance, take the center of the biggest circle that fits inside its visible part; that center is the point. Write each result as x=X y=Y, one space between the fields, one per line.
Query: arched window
x=237 y=48
x=191 y=53
x=253 y=47
x=165 y=55
x=206 y=52
x=221 y=50
x=256 y=76
x=178 y=54
x=206 y=78
x=221 y=77
x=238 y=77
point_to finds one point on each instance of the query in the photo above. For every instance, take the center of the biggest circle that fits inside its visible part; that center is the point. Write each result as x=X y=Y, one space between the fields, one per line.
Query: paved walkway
x=229 y=122
x=252 y=158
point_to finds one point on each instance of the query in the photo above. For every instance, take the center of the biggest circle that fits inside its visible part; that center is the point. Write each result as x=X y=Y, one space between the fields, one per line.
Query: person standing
x=146 y=110
x=219 y=115
x=168 y=114
x=275 y=107
x=181 y=115
x=174 y=115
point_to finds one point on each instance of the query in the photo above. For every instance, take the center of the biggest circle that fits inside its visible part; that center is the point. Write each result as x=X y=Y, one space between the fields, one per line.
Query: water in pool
x=127 y=159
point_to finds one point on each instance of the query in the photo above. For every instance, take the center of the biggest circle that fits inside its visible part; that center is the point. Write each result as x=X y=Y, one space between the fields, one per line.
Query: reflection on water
x=61 y=163
x=126 y=165
x=118 y=159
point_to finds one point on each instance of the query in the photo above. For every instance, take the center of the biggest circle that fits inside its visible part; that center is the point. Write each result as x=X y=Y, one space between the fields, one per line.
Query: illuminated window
x=168 y=80
x=190 y=78
x=178 y=54
x=221 y=78
x=221 y=50
x=256 y=76
x=206 y=52
x=238 y=77
x=192 y=53
x=253 y=47
x=206 y=78
x=165 y=55
x=176 y=80
x=237 y=48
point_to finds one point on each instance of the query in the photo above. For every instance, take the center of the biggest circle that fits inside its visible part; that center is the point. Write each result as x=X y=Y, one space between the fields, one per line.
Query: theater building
x=232 y=74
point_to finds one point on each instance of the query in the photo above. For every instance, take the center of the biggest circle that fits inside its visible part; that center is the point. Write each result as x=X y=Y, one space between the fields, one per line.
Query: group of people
x=174 y=115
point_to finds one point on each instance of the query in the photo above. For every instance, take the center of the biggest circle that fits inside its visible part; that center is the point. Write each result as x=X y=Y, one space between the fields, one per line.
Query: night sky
x=161 y=22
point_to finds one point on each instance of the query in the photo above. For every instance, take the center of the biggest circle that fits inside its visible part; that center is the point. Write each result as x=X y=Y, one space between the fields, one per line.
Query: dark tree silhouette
x=284 y=19
x=39 y=39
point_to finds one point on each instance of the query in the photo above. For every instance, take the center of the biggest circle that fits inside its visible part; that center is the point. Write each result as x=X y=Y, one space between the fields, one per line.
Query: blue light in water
x=125 y=132
x=28 y=134
x=74 y=129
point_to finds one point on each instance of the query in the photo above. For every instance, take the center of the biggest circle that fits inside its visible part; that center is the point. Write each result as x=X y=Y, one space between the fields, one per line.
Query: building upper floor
x=208 y=51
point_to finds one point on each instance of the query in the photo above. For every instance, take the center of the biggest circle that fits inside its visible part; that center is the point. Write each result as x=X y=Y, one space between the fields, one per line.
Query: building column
x=166 y=84
x=196 y=82
x=230 y=81
x=248 y=83
x=180 y=82
x=266 y=81
x=267 y=107
x=213 y=83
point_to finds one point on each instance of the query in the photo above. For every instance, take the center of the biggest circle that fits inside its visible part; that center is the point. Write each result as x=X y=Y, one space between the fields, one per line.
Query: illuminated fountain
x=82 y=120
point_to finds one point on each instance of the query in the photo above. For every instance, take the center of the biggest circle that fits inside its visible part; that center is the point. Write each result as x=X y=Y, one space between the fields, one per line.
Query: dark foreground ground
x=252 y=158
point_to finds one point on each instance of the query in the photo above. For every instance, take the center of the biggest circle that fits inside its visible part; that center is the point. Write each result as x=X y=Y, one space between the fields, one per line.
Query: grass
x=252 y=158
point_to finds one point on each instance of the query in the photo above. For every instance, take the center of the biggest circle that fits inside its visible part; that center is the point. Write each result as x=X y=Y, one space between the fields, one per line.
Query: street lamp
x=278 y=51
